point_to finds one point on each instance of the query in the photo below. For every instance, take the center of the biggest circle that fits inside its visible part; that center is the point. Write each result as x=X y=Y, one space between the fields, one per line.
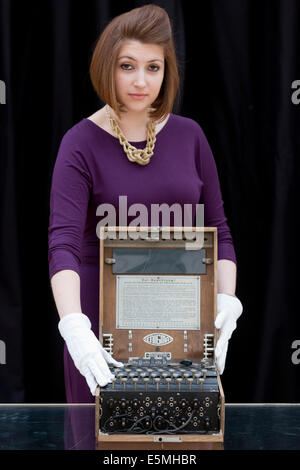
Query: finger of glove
x=100 y=361
x=100 y=376
x=221 y=319
x=103 y=357
x=109 y=359
x=226 y=333
x=222 y=359
x=106 y=355
x=116 y=363
x=219 y=348
x=103 y=365
x=91 y=381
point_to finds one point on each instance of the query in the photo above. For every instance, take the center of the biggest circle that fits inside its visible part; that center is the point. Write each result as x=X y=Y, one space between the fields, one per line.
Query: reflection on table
x=58 y=427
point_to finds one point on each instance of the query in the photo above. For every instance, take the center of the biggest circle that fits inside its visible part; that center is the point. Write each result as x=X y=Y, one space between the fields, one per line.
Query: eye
x=125 y=66
x=152 y=68
x=156 y=67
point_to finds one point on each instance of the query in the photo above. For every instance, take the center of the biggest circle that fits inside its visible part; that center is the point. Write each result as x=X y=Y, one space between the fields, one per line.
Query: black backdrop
x=238 y=60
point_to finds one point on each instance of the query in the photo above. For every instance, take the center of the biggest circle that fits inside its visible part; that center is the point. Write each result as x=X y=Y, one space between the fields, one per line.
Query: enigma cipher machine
x=158 y=294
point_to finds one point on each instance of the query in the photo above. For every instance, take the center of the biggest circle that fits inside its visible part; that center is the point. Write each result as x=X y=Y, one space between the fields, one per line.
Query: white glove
x=88 y=355
x=229 y=310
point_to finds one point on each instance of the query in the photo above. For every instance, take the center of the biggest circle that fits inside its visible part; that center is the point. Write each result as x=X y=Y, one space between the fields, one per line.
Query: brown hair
x=149 y=24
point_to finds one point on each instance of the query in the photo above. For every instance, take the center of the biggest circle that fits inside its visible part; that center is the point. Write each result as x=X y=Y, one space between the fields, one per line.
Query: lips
x=137 y=94
x=137 y=97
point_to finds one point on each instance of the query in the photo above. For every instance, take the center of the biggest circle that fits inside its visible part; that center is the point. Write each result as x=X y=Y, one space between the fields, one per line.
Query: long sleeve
x=69 y=198
x=211 y=197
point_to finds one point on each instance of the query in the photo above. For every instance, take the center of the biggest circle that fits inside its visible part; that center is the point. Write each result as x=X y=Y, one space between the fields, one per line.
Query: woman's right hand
x=90 y=358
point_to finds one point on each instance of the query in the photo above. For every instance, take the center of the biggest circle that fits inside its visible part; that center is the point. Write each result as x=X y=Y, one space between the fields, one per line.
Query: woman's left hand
x=229 y=310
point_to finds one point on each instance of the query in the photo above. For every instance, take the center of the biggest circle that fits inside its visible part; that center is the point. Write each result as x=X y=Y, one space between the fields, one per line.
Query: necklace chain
x=140 y=156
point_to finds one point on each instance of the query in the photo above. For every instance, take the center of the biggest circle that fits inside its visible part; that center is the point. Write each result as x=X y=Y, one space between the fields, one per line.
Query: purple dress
x=92 y=169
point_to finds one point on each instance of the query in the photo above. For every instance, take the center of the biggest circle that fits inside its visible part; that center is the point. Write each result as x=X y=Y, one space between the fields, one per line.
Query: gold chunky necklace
x=140 y=156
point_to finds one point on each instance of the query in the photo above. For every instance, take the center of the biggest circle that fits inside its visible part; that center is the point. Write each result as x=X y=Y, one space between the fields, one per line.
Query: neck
x=132 y=119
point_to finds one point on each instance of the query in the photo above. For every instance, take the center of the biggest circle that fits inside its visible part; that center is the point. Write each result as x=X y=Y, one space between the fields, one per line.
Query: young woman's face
x=139 y=74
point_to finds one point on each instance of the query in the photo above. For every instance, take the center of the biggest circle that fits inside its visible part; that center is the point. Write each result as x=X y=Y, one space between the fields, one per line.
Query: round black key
x=145 y=373
x=166 y=374
x=133 y=374
x=155 y=374
x=176 y=375
x=122 y=374
x=188 y=374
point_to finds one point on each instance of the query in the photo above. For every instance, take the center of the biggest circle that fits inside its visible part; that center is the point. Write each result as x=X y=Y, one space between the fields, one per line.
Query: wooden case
x=193 y=340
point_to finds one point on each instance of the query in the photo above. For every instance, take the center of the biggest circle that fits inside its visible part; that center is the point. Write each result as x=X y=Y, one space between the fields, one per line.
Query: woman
x=164 y=159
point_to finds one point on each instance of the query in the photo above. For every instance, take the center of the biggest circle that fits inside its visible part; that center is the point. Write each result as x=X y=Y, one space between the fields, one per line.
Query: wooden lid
x=140 y=303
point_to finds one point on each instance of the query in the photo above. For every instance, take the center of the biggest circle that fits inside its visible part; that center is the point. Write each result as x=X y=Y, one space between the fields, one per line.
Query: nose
x=140 y=80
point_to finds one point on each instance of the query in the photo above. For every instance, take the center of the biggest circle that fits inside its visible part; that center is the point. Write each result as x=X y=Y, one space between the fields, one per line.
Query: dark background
x=238 y=59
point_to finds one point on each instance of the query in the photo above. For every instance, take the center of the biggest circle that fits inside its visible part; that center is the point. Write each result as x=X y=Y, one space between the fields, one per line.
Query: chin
x=137 y=106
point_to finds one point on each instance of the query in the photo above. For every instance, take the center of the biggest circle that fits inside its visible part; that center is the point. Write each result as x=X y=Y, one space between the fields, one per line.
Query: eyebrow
x=132 y=58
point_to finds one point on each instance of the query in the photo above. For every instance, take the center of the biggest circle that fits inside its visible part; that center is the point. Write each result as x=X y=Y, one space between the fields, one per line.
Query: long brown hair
x=149 y=24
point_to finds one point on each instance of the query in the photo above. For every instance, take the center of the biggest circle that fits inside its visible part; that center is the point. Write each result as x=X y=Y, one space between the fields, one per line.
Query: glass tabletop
x=72 y=427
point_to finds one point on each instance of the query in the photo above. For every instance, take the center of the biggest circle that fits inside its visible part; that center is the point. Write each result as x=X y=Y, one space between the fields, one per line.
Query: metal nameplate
x=158 y=339
x=167 y=439
x=158 y=355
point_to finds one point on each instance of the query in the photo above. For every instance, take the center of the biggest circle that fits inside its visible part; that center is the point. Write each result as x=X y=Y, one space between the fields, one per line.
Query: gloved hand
x=89 y=356
x=229 y=310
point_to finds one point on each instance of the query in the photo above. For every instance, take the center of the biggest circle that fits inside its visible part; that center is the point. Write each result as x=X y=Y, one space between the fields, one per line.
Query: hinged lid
x=158 y=292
